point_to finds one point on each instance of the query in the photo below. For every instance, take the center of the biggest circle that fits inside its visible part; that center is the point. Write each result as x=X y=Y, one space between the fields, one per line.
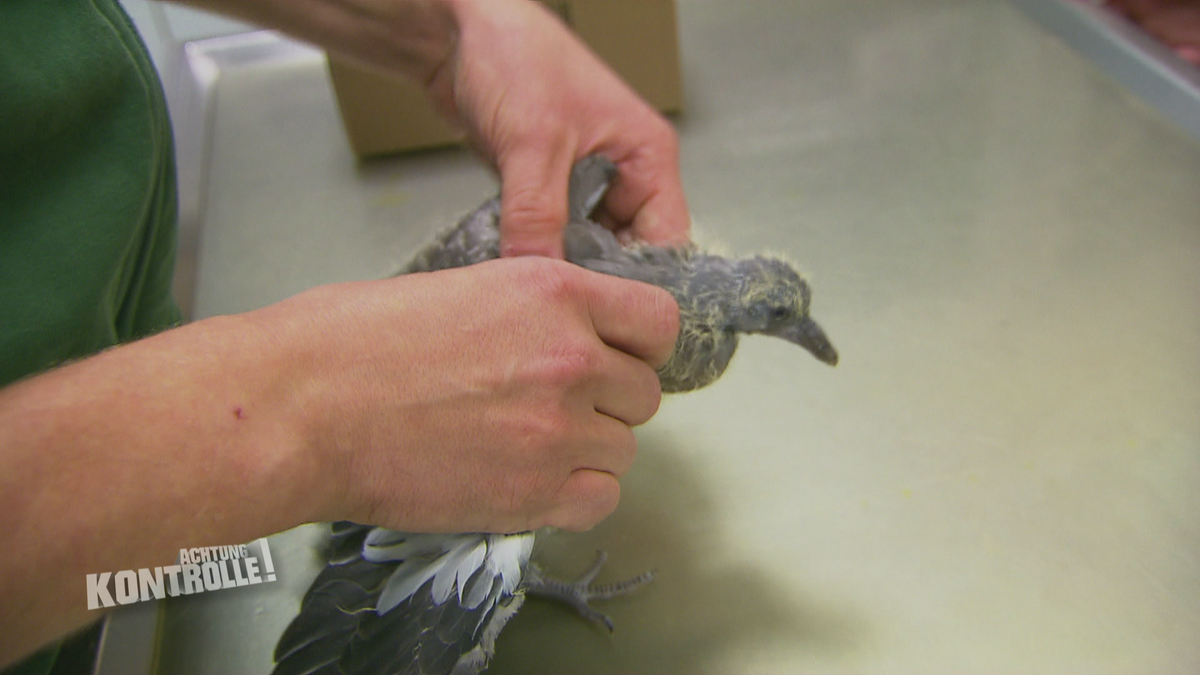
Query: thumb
x=533 y=202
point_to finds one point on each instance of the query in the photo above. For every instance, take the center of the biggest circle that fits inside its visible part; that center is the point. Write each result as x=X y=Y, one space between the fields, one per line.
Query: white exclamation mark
x=268 y=566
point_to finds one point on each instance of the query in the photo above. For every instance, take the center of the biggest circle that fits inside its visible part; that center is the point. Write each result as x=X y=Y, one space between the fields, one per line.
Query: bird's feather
x=426 y=604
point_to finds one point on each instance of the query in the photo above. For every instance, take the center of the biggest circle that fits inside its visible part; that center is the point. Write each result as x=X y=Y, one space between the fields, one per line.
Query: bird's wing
x=589 y=181
x=595 y=247
x=390 y=602
x=474 y=239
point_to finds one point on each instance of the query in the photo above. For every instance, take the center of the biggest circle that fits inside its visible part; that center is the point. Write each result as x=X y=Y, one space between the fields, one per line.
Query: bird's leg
x=579 y=592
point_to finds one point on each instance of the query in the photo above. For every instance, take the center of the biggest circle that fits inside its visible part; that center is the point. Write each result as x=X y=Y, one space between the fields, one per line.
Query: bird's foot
x=578 y=593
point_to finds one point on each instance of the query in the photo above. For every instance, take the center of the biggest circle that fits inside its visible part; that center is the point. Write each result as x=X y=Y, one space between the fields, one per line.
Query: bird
x=391 y=602
x=719 y=298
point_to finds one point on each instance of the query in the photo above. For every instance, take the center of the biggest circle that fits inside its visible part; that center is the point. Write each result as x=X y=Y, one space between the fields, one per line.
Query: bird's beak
x=809 y=335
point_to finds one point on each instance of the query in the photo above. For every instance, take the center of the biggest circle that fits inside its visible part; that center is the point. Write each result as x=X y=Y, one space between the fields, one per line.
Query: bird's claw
x=580 y=592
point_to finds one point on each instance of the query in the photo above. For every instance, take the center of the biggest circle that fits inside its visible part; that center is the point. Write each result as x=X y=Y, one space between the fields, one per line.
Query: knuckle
x=544 y=432
x=547 y=281
x=531 y=210
x=570 y=362
x=540 y=466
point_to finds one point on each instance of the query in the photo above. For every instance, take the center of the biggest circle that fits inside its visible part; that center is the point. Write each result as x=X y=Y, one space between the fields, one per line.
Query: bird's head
x=774 y=300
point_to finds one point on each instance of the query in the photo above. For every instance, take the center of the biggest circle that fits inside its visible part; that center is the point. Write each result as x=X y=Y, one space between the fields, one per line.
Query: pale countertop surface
x=1003 y=473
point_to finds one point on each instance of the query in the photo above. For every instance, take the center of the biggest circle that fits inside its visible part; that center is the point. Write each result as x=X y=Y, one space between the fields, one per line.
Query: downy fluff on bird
x=391 y=602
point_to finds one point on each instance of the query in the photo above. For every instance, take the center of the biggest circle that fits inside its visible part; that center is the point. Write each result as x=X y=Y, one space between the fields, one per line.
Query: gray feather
x=391 y=602
x=719 y=298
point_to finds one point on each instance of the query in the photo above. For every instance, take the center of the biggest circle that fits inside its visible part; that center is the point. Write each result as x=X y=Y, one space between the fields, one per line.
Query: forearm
x=190 y=438
x=413 y=37
x=486 y=399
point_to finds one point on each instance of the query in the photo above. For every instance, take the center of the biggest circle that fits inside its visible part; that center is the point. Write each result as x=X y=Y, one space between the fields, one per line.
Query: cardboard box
x=637 y=38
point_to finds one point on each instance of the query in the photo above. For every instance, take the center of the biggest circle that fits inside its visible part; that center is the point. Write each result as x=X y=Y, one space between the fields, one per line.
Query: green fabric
x=40 y=663
x=87 y=192
x=87 y=185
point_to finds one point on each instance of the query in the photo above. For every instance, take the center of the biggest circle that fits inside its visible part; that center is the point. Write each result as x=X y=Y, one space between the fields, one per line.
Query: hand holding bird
x=392 y=602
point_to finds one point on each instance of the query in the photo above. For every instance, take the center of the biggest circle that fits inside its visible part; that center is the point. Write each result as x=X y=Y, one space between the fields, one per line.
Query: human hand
x=533 y=99
x=497 y=397
x=530 y=96
x=1175 y=22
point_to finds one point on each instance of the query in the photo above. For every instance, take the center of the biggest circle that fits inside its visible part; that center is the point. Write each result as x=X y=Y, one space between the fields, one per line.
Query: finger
x=626 y=389
x=637 y=318
x=663 y=220
x=533 y=200
x=647 y=197
x=598 y=442
x=1178 y=27
x=586 y=498
x=611 y=446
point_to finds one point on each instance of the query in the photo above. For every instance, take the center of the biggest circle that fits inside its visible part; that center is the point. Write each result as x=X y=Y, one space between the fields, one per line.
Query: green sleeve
x=87 y=192
x=87 y=185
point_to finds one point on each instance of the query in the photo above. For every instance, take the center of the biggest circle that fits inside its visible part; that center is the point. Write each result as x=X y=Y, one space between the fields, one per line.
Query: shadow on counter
x=701 y=610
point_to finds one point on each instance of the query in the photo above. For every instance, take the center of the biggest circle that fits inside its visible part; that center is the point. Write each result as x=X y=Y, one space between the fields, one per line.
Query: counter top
x=1003 y=473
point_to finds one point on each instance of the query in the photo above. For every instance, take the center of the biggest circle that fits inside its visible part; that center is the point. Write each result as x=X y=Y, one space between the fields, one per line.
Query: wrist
x=321 y=369
x=295 y=454
x=413 y=37
x=409 y=37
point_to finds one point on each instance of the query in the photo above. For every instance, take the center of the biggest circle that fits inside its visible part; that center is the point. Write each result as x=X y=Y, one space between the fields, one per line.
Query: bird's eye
x=778 y=313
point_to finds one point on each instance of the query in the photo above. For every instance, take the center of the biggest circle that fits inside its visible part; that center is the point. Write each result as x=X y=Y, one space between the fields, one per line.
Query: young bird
x=391 y=602
x=719 y=298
